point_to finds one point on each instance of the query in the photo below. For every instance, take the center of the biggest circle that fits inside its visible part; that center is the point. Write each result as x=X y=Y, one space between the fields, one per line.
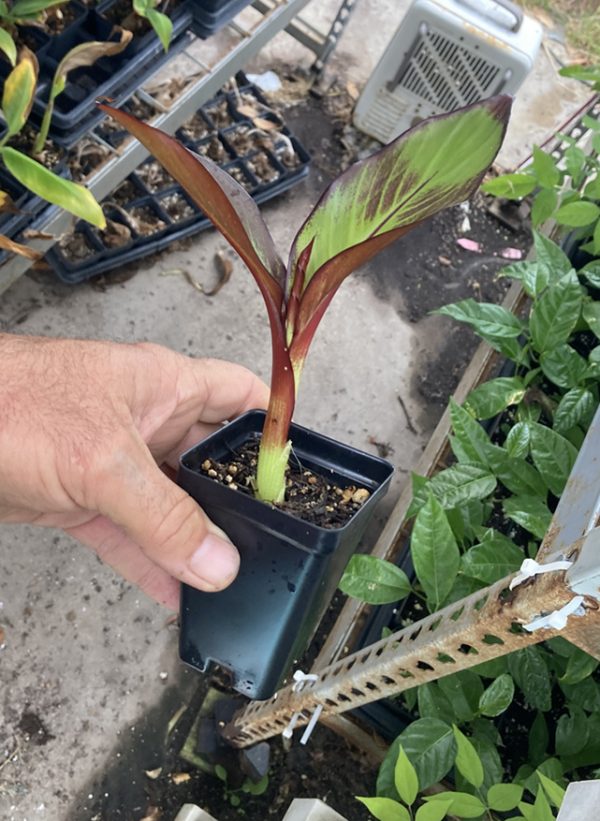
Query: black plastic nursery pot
x=211 y=15
x=261 y=624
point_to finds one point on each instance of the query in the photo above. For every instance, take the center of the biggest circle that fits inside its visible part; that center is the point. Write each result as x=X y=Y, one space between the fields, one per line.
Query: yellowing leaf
x=69 y=195
x=7 y=244
x=7 y=205
x=86 y=54
x=19 y=89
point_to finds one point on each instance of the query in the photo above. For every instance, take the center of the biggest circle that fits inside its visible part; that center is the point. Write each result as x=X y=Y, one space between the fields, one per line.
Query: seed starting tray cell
x=148 y=211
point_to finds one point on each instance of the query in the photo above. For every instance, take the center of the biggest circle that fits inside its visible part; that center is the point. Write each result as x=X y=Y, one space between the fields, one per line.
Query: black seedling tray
x=211 y=15
x=115 y=77
x=150 y=187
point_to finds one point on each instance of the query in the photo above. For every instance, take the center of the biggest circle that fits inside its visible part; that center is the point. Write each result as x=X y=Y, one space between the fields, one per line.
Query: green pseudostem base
x=270 y=472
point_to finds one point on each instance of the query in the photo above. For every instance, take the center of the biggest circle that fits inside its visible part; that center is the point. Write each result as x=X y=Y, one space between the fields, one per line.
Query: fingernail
x=215 y=563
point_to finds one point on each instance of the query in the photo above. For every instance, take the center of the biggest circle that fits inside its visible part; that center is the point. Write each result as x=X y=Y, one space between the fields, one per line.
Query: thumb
x=172 y=530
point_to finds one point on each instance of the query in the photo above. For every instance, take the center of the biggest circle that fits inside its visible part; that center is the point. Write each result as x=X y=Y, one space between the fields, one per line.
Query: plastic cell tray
x=151 y=188
x=211 y=15
x=116 y=77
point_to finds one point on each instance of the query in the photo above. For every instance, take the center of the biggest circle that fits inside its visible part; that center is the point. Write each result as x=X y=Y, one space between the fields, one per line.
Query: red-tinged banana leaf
x=434 y=165
x=226 y=203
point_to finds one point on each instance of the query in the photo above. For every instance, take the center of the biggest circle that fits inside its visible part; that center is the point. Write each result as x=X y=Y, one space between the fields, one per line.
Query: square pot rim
x=283 y=516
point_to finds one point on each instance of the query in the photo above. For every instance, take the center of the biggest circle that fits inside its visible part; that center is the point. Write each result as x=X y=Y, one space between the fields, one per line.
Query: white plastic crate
x=446 y=54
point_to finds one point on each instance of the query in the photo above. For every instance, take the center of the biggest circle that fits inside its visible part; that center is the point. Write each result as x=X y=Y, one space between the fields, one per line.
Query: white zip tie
x=530 y=568
x=311 y=724
x=558 y=619
x=300 y=679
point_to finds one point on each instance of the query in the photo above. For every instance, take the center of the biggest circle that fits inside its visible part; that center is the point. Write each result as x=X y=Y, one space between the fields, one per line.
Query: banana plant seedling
x=17 y=99
x=438 y=163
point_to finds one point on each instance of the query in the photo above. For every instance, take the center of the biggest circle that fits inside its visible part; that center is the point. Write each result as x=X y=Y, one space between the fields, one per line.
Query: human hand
x=84 y=428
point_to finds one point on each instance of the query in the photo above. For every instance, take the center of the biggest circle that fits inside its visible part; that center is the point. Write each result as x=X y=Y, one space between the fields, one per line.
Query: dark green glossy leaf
x=551 y=256
x=530 y=672
x=498 y=696
x=517 y=441
x=591 y=314
x=434 y=552
x=433 y=703
x=493 y=396
x=571 y=732
x=563 y=366
x=531 y=512
x=430 y=746
x=591 y=272
x=420 y=492
x=579 y=667
x=576 y=407
x=463 y=690
x=374 y=580
x=538 y=739
x=516 y=475
x=555 y=314
x=485 y=317
x=585 y=694
x=472 y=438
x=493 y=559
x=553 y=455
x=492 y=668
x=462 y=483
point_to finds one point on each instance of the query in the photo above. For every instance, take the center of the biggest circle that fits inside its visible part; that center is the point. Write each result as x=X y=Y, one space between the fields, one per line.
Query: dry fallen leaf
x=7 y=244
x=2 y=635
x=248 y=111
x=180 y=778
x=265 y=125
x=7 y=205
x=31 y=233
x=352 y=90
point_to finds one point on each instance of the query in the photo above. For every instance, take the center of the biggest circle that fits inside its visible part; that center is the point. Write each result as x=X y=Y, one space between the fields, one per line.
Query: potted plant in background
x=27 y=174
x=291 y=564
x=49 y=92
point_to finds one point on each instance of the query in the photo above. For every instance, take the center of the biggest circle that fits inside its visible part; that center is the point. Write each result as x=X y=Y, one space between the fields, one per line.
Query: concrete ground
x=84 y=658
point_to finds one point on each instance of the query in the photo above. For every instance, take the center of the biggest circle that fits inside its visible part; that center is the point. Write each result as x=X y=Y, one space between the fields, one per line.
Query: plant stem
x=273 y=454
x=42 y=134
x=275 y=447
